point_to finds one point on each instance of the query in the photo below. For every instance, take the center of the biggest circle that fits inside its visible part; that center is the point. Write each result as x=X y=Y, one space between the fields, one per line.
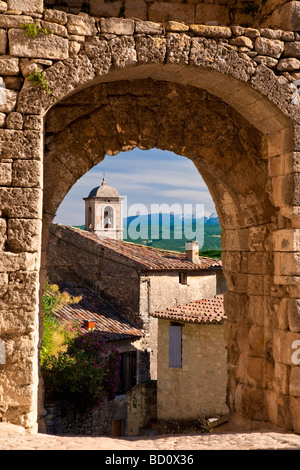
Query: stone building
x=137 y=280
x=103 y=212
x=191 y=364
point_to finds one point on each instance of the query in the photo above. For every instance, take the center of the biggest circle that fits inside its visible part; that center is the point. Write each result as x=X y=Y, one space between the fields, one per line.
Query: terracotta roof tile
x=202 y=311
x=107 y=320
x=146 y=257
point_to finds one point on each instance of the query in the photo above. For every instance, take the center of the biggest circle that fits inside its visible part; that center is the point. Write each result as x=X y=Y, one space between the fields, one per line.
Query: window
x=183 y=278
x=128 y=371
x=90 y=218
x=175 y=346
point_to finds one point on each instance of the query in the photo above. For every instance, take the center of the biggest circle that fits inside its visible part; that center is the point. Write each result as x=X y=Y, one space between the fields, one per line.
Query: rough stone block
x=117 y=26
x=178 y=48
x=9 y=65
x=8 y=101
x=280 y=381
x=285 y=347
x=32 y=6
x=292 y=49
x=211 y=31
x=288 y=65
x=99 y=54
x=2 y=119
x=123 y=51
x=14 y=21
x=23 y=289
x=151 y=49
x=14 y=121
x=21 y=202
x=33 y=123
x=74 y=48
x=43 y=46
x=23 y=235
x=10 y=262
x=287 y=264
x=293 y=314
x=27 y=173
x=286 y=17
x=3 y=7
x=54 y=28
x=148 y=27
x=242 y=41
x=286 y=240
x=82 y=25
x=5 y=175
x=20 y=144
x=56 y=16
x=3 y=41
x=265 y=46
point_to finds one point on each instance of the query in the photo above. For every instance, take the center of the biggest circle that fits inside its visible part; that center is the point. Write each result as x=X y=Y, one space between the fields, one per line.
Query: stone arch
x=255 y=189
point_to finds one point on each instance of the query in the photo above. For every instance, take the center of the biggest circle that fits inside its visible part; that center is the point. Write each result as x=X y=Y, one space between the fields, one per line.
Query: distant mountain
x=155 y=224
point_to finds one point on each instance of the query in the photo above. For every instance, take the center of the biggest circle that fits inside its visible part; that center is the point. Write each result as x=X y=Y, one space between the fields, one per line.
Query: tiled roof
x=203 y=311
x=107 y=320
x=147 y=258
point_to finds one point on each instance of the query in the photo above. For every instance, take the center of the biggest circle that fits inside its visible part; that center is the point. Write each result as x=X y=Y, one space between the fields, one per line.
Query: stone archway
x=158 y=89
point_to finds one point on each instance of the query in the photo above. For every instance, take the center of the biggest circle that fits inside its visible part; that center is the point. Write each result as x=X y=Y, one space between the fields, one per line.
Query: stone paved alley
x=15 y=438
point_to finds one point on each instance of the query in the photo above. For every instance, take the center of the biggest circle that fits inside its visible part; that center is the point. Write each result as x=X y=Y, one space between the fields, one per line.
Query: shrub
x=32 y=30
x=38 y=78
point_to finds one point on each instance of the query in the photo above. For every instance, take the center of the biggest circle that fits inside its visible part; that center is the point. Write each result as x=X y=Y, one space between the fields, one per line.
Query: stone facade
x=204 y=369
x=269 y=13
x=222 y=96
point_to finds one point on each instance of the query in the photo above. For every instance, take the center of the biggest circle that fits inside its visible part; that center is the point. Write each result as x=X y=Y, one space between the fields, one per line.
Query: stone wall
x=223 y=12
x=198 y=389
x=63 y=418
x=162 y=75
x=141 y=408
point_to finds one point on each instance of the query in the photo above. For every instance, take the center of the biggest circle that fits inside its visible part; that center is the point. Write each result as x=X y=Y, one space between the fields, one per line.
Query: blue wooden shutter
x=175 y=346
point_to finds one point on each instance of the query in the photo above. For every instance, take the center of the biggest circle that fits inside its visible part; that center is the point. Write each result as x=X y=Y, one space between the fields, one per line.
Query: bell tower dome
x=103 y=212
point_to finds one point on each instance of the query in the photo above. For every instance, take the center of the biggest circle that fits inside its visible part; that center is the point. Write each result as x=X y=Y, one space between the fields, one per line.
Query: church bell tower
x=103 y=212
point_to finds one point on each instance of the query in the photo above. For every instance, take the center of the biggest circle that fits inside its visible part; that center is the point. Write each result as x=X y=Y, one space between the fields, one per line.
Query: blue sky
x=144 y=177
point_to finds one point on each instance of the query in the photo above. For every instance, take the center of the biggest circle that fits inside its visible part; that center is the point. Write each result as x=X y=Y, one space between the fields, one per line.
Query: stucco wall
x=166 y=290
x=198 y=389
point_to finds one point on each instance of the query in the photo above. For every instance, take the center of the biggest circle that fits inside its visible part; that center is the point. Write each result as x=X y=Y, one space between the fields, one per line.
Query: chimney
x=192 y=251
x=89 y=325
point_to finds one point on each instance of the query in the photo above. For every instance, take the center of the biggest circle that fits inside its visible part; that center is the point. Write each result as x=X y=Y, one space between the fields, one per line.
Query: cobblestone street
x=15 y=438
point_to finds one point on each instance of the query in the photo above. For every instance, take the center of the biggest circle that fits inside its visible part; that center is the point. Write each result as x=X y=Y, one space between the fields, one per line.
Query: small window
x=175 y=346
x=183 y=279
x=90 y=218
